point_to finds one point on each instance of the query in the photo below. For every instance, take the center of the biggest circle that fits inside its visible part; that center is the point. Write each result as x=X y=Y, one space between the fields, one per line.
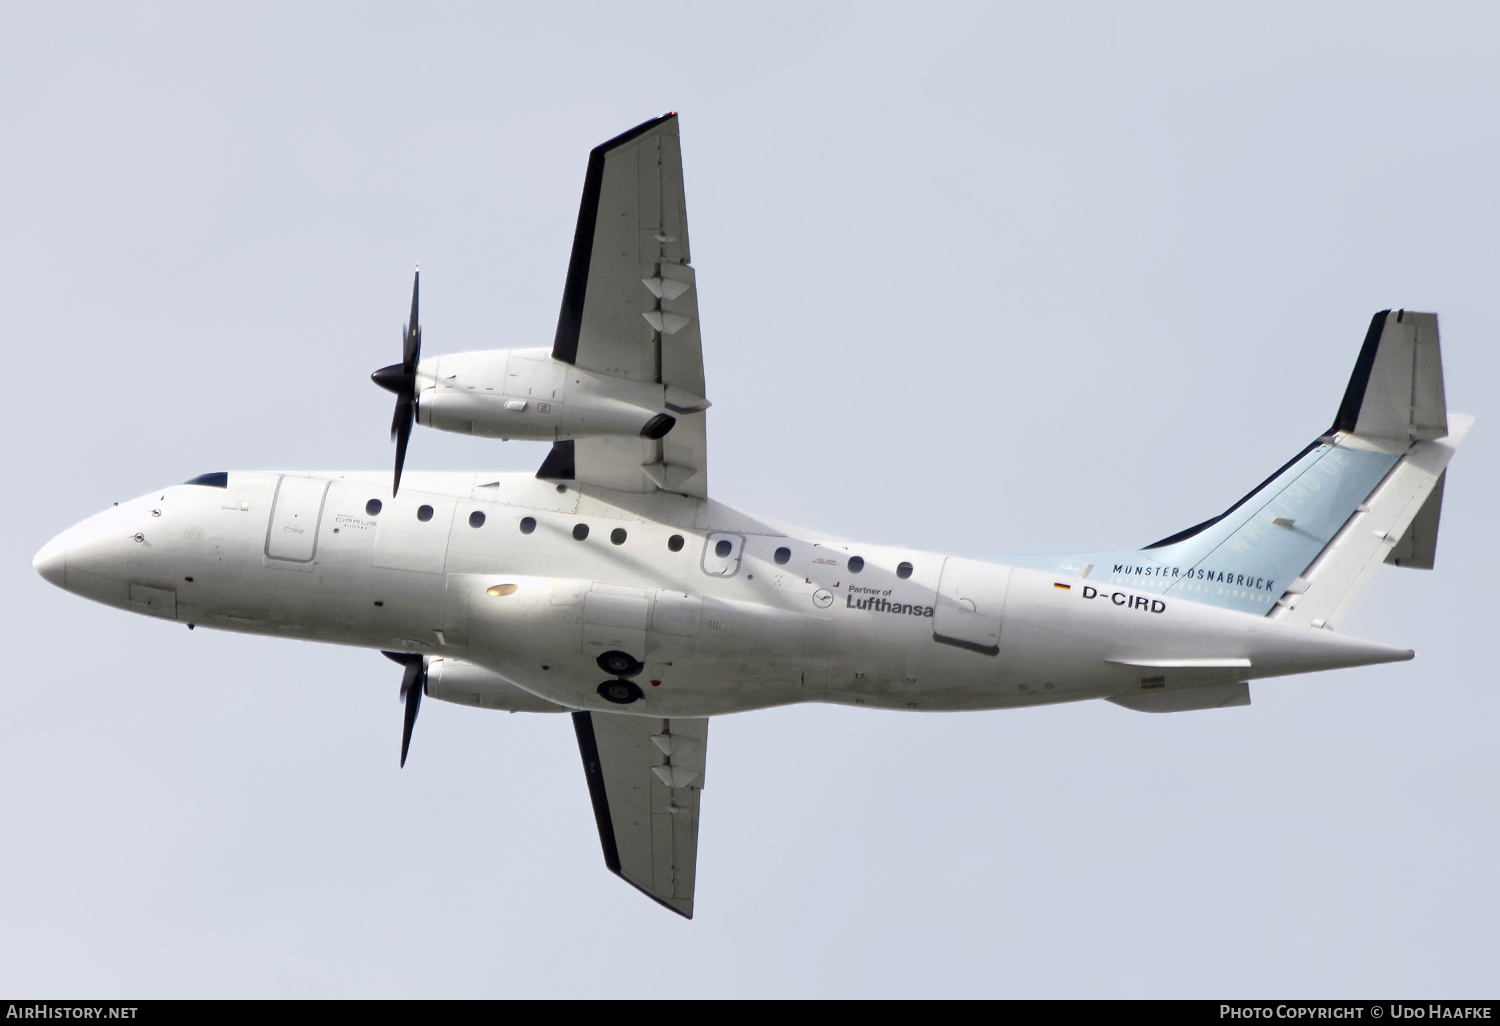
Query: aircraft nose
x=51 y=560
x=93 y=554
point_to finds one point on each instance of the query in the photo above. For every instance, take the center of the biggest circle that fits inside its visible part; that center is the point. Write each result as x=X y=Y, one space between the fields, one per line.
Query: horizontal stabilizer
x=1322 y=594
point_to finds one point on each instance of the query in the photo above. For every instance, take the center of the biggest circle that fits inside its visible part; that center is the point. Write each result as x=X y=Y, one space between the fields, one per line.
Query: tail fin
x=1369 y=490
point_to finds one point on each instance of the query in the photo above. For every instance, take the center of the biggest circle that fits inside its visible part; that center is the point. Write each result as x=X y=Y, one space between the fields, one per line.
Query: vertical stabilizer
x=1367 y=491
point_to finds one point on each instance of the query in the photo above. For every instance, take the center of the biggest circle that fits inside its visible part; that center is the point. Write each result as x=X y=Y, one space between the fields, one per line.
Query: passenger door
x=292 y=536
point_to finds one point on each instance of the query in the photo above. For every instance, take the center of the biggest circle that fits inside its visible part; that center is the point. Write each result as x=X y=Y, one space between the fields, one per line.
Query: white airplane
x=610 y=586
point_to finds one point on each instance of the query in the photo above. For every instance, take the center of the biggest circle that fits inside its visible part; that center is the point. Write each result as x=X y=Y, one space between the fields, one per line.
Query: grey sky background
x=974 y=279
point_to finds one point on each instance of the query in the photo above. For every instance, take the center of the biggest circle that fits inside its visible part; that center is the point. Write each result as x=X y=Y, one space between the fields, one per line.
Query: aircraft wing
x=645 y=775
x=630 y=308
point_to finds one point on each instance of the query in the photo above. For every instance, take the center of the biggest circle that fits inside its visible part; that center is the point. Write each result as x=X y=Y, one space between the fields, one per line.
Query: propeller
x=413 y=683
x=401 y=378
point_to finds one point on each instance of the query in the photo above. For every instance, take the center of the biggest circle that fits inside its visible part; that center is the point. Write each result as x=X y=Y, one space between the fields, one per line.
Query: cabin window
x=617 y=536
x=372 y=508
x=903 y=571
x=528 y=524
x=675 y=543
x=856 y=564
x=580 y=531
x=783 y=555
x=424 y=512
x=476 y=519
x=723 y=548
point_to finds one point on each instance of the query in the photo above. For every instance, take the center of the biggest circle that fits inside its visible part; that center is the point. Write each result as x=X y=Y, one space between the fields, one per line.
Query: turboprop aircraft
x=609 y=585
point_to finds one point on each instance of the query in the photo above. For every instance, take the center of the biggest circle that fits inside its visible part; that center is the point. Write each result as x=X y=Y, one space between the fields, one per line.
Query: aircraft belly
x=702 y=655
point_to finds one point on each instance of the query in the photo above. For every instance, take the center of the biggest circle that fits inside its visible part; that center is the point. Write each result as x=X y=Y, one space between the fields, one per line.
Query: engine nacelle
x=525 y=393
x=453 y=680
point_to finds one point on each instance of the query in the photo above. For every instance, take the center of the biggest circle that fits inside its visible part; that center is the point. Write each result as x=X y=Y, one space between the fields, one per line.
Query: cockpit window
x=218 y=479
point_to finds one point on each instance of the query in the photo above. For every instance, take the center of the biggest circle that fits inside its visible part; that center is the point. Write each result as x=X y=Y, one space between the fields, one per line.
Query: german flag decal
x=1062 y=587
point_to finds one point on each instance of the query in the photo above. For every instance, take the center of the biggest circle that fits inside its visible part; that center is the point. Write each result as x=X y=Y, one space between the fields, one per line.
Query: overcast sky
x=974 y=279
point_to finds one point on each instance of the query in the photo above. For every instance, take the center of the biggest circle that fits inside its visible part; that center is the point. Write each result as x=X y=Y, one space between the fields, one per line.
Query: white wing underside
x=630 y=307
x=645 y=775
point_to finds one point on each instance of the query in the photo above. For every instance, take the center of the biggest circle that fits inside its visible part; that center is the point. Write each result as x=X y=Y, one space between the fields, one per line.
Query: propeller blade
x=401 y=379
x=413 y=684
x=411 y=350
x=401 y=432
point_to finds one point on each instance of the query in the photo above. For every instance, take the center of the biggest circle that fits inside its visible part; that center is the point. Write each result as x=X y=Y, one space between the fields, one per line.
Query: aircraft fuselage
x=534 y=582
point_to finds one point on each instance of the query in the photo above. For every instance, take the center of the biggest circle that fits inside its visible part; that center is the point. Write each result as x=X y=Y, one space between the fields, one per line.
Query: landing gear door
x=614 y=619
x=971 y=604
x=721 y=554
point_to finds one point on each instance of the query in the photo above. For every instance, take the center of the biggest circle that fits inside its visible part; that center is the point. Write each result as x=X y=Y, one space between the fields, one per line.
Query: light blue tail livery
x=1254 y=555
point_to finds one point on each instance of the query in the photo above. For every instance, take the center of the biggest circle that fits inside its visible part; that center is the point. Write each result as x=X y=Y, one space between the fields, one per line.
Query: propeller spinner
x=413 y=684
x=401 y=378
